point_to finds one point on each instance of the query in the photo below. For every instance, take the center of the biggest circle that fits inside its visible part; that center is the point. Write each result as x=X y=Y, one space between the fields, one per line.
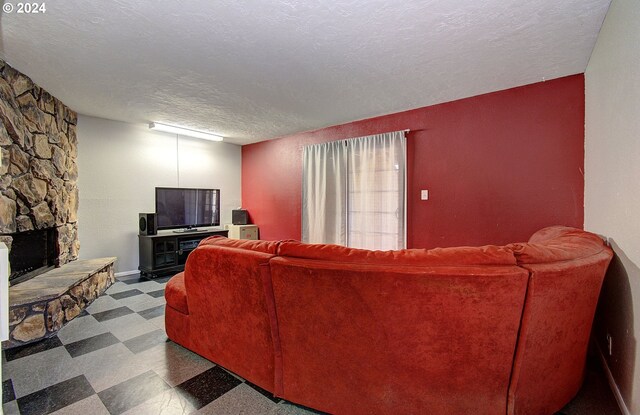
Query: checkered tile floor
x=116 y=359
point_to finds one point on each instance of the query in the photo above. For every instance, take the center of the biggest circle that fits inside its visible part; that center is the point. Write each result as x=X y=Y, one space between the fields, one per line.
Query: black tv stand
x=166 y=253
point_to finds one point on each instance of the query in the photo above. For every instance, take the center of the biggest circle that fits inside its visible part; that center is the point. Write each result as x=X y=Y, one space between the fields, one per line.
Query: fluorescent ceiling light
x=184 y=131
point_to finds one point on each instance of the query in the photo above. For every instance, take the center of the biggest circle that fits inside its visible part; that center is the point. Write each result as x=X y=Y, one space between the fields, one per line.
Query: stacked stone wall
x=38 y=171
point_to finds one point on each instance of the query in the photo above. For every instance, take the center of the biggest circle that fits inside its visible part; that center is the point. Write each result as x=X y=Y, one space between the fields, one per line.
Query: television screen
x=187 y=208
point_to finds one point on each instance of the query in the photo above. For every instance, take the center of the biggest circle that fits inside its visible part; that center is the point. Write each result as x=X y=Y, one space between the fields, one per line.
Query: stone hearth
x=39 y=307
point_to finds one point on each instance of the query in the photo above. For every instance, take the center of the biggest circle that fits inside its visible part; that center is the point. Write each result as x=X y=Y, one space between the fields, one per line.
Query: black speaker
x=239 y=217
x=148 y=224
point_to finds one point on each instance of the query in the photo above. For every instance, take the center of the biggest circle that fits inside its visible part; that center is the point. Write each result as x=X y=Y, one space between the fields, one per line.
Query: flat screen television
x=187 y=208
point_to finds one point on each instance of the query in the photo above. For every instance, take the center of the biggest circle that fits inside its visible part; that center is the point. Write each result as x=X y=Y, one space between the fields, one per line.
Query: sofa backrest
x=229 y=315
x=268 y=247
x=383 y=336
x=458 y=256
x=567 y=267
x=557 y=243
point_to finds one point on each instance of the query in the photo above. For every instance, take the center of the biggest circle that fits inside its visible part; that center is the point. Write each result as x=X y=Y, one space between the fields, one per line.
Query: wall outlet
x=610 y=344
x=424 y=195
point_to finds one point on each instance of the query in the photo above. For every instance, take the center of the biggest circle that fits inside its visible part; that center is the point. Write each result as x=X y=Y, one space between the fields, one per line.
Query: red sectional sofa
x=465 y=330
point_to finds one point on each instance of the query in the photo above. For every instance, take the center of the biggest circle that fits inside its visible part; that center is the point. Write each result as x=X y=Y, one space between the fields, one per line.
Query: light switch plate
x=424 y=195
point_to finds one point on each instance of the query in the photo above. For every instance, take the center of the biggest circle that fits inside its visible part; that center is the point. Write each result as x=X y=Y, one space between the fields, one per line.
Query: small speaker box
x=239 y=217
x=148 y=224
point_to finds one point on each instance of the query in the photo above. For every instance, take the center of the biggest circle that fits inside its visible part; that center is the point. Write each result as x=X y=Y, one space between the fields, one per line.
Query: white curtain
x=354 y=192
x=324 y=193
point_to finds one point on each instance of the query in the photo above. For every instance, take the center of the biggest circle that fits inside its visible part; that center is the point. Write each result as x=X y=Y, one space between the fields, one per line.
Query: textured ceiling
x=253 y=70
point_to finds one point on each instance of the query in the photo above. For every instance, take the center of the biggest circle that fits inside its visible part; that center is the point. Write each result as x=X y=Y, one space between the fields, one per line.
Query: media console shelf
x=166 y=253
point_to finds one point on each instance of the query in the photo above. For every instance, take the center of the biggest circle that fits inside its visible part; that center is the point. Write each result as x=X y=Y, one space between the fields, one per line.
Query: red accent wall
x=498 y=167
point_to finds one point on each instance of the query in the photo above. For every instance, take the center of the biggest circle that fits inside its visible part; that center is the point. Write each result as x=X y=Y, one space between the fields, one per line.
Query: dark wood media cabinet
x=166 y=253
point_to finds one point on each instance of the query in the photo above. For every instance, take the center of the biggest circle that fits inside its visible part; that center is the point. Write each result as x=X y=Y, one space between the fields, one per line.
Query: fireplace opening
x=32 y=253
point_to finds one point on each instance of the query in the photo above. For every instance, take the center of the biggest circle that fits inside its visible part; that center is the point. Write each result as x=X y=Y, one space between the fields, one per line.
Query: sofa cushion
x=465 y=255
x=268 y=247
x=557 y=243
x=176 y=294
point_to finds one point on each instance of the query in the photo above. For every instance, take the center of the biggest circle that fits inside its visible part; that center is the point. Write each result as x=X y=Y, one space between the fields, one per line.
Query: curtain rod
x=385 y=132
x=353 y=138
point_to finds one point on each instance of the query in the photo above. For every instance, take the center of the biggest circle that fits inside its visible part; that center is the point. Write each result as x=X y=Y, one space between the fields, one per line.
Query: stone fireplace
x=38 y=212
x=38 y=172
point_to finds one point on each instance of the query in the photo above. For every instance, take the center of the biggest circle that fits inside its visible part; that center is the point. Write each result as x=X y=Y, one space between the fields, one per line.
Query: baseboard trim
x=125 y=273
x=612 y=383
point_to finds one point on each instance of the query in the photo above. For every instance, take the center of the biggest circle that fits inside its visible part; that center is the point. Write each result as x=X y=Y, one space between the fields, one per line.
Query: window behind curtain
x=354 y=192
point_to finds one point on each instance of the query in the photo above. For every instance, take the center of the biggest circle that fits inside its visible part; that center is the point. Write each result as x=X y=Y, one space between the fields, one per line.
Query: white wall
x=4 y=293
x=4 y=297
x=120 y=164
x=612 y=186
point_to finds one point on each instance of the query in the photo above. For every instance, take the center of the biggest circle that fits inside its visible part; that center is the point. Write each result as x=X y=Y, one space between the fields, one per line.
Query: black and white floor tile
x=116 y=359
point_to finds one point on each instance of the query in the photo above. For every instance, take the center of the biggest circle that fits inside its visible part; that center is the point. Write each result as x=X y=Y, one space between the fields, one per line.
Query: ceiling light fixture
x=184 y=131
